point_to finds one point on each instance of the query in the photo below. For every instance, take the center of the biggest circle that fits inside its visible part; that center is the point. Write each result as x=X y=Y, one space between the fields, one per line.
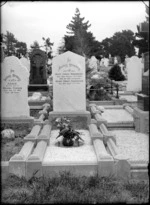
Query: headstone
x=122 y=69
x=14 y=92
x=115 y=60
x=134 y=73
x=102 y=62
x=127 y=59
x=25 y=62
x=93 y=63
x=38 y=67
x=68 y=72
x=106 y=62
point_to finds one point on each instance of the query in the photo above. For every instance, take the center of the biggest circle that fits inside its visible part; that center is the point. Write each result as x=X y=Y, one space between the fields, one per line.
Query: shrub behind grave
x=115 y=73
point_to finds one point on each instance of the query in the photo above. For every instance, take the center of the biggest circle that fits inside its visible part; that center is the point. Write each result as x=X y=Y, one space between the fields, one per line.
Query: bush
x=115 y=73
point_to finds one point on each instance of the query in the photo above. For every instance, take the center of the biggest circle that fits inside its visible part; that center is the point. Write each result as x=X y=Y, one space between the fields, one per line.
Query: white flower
x=8 y=133
x=58 y=119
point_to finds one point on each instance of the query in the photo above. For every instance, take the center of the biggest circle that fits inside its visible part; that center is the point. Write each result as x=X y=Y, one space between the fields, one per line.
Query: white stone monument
x=25 y=62
x=106 y=62
x=134 y=74
x=69 y=86
x=93 y=63
x=14 y=90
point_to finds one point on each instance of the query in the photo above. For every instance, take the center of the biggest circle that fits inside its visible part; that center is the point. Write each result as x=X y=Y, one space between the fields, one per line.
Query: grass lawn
x=71 y=189
x=9 y=147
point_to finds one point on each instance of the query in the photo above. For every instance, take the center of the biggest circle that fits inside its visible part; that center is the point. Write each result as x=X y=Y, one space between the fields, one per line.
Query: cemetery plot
x=134 y=145
x=70 y=155
x=129 y=98
x=117 y=116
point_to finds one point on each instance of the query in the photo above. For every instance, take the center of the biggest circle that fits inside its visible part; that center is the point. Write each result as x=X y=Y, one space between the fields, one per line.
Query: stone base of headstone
x=55 y=114
x=44 y=89
x=143 y=102
x=29 y=121
x=141 y=120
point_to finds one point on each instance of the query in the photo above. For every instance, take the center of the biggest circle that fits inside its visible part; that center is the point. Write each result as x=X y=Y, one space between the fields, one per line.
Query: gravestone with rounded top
x=134 y=73
x=14 y=91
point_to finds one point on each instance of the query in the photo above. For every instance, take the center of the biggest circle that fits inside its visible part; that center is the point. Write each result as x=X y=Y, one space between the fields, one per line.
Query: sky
x=29 y=21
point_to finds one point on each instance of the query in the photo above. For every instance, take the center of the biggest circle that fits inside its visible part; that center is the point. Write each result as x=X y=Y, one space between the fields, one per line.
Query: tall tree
x=142 y=36
x=48 y=47
x=12 y=45
x=120 y=44
x=35 y=45
x=79 y=39
x=21 y=49
x=10 y=42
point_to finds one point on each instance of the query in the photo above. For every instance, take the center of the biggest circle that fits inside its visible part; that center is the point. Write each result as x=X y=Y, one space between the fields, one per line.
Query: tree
x=120 y=44
x=10 y=42
x=79 y=40
x=12 y=45
x=142 y=36
x=21 y=49
x=48 y=46
x=35 y=45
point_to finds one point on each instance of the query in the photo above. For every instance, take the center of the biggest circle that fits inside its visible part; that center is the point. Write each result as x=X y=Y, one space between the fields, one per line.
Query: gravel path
x=117 y=115
x=133 y=145
x=82 y=154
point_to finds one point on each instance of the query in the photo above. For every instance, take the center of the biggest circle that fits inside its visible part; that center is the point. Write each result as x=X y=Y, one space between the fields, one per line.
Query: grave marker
x=69 y=82
x=38 y=67
x=14 y=93
x=134 y=72
x=69 y=91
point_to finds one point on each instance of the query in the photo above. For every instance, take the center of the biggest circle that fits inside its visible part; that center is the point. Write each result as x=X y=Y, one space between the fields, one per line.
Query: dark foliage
x=115 y=73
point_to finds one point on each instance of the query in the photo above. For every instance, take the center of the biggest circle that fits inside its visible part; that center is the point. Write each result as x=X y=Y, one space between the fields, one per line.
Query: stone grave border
x=95 y=113
x=28 y=161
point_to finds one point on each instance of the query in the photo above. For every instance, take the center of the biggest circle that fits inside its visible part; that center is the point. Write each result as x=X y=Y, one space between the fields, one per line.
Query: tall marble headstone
x=69 y=91
x=134 y=73
x=14 y=91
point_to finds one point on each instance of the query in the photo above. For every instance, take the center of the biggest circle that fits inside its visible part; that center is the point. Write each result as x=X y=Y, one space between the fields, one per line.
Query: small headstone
x=14 y=92
x=102 y=62
x=106 y=62
x=68 y=72
x=38 y=67
x=115 y=60
x=134 y=73
x=93 y=63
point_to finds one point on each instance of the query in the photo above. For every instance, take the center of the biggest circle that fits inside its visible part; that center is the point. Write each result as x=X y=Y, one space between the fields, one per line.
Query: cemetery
x=67 y=128
x=75 y=102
